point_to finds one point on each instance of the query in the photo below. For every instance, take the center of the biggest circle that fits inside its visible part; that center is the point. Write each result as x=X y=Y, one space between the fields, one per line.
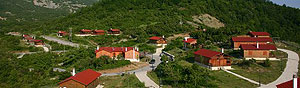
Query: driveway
x=141 y=73
x=63 y=42
x=290 y=69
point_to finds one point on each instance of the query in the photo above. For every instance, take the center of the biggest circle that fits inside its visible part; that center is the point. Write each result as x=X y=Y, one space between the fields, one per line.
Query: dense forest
x=162 y=17
x=140 y=19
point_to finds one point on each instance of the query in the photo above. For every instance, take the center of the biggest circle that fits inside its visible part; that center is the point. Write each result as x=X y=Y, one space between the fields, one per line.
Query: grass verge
x=125 y=81
x=263 y=74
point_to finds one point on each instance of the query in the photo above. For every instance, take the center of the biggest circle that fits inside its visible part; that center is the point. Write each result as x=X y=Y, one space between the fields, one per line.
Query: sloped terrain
x=36 y=10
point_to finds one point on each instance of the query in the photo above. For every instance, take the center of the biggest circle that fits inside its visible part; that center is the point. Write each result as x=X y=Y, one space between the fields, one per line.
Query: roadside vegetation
x=124 y=81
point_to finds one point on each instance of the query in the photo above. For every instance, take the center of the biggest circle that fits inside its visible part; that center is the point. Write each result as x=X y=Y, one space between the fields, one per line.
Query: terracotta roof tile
x=252 y=39
x=155 y=38
x=288 y=84
x=261 y=47
x=115 y=29
x=114 y=49
x=85 y=77
x=189 y=40
x=99 y=31
x=207 y=53
x=260 y=33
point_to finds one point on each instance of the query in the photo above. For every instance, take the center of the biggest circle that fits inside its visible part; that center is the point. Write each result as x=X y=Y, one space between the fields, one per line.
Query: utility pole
x=70 y=38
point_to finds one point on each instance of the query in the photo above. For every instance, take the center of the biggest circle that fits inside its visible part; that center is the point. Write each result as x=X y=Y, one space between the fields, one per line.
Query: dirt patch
x=2 y=18
x=130 y=67
x=208 y=20
x=178 y=35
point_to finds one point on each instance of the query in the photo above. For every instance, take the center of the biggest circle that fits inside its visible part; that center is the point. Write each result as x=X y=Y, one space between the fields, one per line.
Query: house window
x=227 y=61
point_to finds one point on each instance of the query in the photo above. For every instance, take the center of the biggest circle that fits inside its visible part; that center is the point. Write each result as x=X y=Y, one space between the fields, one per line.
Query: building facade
x=212 y=59
x=129 y=53
x=85 y=79
x=257 y=51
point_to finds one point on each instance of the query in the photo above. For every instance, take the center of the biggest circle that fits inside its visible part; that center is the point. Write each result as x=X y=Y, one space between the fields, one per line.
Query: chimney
x=137 y=49
x=185 y=38
x=97 y=48
x=73 y=72
x=163 y=36
x=222 y=50
x=257 y=45
x=125 y=49
x=295 y=81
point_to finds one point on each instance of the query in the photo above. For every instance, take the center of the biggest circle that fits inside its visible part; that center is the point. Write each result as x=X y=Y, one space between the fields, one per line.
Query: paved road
x=63 y=42
x=290 y=69
x=141 y=73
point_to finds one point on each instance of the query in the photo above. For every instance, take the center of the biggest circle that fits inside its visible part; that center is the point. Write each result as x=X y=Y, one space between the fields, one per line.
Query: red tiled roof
x=99 y=31
x=37 y=40
x=155 y=38
x=261 y=47
x=206 y=53
x=288 y=84
x=260 y=33
x=25 y=35
x=115 y=29
x=114 y=49
x=61 y=32
x=251 y=39
x=189 y=40
x=85 y=77
x=29 y=38
x=85 y=30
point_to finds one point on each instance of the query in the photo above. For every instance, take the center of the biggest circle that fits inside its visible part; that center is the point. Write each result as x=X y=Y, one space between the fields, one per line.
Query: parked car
x=152 y=61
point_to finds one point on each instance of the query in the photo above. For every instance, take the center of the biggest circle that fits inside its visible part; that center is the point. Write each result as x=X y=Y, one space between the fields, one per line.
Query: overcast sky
x=291 y=3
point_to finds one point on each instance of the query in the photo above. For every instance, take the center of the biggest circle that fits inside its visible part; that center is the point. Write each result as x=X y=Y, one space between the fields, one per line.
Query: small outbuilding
x=62 y=33
x=85 y=31
x=114 y=31
x=158 y=40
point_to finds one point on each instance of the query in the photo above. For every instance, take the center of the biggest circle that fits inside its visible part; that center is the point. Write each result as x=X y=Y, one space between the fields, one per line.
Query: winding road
x=141 y=73
x=290 y=69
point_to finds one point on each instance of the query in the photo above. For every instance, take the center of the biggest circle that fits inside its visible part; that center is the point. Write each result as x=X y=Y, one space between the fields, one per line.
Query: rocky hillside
x=36 y=10
x=167 y=17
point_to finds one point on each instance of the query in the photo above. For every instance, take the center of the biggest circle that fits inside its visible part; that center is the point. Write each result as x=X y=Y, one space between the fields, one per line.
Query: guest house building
x=128 y=53
x=212 y=59
x=62 y=33
x=251 y=38
x=158 y=40
x=114 y=31
x=85 y=79
x=258 y=51
x=98 y=32
x=189 y=42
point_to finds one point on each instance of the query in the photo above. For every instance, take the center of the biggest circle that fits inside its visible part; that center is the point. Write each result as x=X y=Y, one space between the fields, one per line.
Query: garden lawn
x=126 y=81
x=226 y=80
x=259 y=73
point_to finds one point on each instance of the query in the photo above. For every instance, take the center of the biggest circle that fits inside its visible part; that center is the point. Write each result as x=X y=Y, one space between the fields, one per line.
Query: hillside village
x=153 y=44
x=254 y=46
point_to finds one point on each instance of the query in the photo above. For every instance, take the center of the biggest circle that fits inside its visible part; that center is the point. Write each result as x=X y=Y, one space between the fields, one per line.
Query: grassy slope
x=126 y=81
x=264 y=74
